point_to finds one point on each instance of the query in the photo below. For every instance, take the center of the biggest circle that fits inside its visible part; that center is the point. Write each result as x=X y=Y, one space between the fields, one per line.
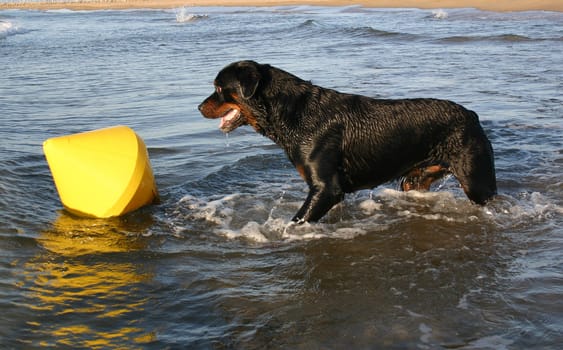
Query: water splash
x=261 y=218
x=184 y=16
x=7 y=28
x=439 y=14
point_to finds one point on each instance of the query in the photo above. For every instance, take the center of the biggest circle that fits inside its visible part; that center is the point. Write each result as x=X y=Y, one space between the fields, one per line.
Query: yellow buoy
x=101 y=173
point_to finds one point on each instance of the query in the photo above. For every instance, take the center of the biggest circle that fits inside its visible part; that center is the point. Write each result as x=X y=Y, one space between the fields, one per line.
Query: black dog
x=341 y=143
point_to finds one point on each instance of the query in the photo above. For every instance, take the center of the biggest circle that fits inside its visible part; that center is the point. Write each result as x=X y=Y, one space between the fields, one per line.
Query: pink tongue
x=227 y=117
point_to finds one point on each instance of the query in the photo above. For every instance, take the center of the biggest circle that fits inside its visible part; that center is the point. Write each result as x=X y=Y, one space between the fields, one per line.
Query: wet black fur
x=341 y=142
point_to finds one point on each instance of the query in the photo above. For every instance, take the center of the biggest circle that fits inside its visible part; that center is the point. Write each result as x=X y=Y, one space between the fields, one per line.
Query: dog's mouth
x=231 y=120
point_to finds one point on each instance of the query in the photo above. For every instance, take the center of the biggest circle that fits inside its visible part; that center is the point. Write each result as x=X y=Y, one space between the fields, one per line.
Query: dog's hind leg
x=420 y=179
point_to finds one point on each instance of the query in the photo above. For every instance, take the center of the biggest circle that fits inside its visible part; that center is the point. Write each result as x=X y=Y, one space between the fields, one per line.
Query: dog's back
x=414 y=133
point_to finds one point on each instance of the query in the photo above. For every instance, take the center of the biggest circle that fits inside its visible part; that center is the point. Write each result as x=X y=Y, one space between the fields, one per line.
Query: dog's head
x=235 y=86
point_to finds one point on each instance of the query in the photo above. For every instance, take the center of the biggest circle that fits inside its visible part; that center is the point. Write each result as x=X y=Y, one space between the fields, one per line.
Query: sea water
x=218 y=264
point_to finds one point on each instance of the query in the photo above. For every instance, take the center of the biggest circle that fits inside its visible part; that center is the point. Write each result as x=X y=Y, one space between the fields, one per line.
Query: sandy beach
x=499 y=5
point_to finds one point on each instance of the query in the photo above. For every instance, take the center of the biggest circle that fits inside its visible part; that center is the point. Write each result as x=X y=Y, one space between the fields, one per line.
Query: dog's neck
x=280 y=106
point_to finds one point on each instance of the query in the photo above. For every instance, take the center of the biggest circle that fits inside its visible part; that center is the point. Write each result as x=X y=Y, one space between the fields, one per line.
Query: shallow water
x=218 y=264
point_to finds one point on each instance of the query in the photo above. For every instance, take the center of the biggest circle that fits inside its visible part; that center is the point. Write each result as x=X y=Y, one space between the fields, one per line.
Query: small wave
x=511 y=37
x=373 y=32
x=356 y=32
x=184 y=16
x=309 y=23
x=479 y=38
x=370 y=32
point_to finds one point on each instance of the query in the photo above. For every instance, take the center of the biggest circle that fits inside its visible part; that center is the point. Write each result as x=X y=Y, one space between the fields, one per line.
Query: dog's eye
x=218 y=89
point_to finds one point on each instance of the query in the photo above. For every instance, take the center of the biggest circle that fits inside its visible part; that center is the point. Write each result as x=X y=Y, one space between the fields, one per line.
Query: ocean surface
x=217 y=264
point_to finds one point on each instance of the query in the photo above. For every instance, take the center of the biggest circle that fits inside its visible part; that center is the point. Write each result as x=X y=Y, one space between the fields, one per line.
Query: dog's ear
x=249 y=78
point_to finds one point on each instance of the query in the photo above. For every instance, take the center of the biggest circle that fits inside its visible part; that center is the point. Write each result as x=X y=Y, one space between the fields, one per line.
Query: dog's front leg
x=320 y=166
x=318 y=202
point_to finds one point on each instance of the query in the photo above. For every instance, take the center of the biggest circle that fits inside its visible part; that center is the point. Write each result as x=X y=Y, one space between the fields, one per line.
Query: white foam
x=496 y=342
x=251 y=231
x=308 y=231
x=526 y=208
x=426 y=332
x=212 y=211
x=369 y=206
x=259 y=218
x=237 y=217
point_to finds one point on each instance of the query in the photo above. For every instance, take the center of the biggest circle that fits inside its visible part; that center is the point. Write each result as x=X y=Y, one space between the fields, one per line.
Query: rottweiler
x=340 y=143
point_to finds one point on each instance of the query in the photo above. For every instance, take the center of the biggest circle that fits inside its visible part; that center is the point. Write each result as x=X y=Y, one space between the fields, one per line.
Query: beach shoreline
x=499 y=5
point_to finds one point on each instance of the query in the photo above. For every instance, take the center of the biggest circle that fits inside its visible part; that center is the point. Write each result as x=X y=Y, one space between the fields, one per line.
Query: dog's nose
x=200 y=107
